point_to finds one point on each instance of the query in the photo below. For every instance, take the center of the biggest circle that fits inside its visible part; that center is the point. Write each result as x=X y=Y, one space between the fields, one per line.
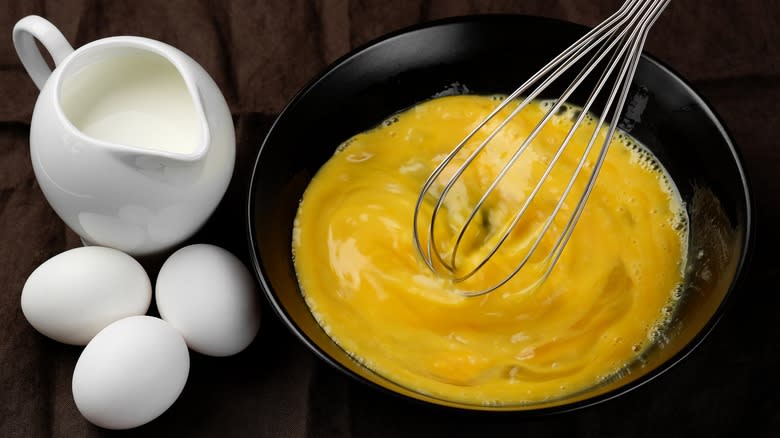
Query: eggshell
x=207 y=294
x=75 y=294
x=130 y=373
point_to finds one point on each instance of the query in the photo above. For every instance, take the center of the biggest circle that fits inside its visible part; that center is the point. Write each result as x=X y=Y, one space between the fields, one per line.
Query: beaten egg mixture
x=611 y=290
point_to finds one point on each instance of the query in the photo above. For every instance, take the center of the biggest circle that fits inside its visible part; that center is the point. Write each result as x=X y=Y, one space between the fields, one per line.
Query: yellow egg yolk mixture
x=367 y=285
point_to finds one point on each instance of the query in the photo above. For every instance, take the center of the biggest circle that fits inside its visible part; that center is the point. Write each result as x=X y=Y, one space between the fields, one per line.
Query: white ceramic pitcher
x=131 y=141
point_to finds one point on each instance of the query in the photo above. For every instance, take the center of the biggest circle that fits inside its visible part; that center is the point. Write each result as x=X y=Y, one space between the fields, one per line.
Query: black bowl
x=486 y=55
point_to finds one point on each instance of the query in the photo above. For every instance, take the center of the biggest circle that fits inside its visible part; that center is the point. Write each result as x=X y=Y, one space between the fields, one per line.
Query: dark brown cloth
x=260 y=53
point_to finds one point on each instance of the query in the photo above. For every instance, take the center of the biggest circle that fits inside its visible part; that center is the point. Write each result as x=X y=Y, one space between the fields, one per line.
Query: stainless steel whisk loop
x=620 y=39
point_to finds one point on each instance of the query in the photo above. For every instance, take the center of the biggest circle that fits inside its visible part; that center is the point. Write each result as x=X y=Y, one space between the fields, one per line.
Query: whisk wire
x=627 y=28
x=592 y=64
x=586 y=39
x=631 y=65
x=578 y=50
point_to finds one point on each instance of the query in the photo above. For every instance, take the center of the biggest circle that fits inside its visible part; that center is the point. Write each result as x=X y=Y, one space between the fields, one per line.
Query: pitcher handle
x=26 y=31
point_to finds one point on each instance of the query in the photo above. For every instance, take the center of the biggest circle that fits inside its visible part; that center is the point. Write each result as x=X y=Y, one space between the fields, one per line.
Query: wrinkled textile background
x=260 y=53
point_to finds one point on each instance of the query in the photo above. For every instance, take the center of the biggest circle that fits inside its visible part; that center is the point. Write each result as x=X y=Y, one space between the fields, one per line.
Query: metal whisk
x=620 y=39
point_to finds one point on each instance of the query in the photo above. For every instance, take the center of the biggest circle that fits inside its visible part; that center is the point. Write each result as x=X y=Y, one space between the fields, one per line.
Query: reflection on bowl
x=395 y=73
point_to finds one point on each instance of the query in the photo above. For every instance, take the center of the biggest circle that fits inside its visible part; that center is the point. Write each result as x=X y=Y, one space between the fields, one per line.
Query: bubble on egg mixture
x=453 y=89
x=390 y=121
x=359 y=157
x=296 y=234
x=491 y=403
x=343 y=145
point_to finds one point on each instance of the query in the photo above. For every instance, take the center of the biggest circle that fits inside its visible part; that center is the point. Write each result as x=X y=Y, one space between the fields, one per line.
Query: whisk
x=619 y=39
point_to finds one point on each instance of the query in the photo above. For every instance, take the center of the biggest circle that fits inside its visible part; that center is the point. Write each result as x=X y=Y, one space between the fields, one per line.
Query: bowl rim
x=736 y=283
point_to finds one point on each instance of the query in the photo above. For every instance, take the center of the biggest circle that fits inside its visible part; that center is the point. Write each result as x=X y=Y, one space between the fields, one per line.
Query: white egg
x=130 y=373
x=207 y=294
x=75 y=294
